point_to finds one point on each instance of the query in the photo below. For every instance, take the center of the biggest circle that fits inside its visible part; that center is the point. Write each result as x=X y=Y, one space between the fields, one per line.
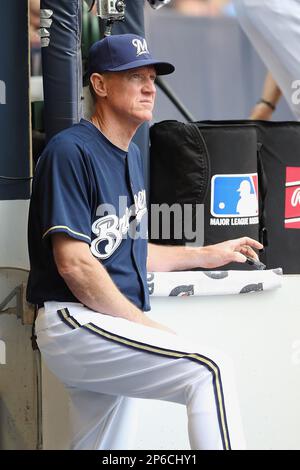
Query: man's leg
x=112 y=357
x=100 y=421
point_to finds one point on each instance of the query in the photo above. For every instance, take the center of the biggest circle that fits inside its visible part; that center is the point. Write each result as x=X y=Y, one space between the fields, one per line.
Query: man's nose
x=149 y=86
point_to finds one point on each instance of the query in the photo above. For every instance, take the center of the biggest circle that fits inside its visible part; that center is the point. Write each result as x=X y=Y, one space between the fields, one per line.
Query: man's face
x=131 y=94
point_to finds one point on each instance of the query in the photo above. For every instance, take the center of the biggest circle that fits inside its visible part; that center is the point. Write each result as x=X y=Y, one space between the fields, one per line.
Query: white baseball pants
x=107 y=362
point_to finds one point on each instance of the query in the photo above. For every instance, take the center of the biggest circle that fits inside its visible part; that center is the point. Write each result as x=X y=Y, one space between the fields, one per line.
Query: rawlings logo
x=292 y=198
x=295 y=199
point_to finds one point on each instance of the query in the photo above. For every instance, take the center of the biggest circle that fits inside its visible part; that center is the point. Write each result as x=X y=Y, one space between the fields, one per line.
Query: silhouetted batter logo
x=234 y=195
x=292 y=197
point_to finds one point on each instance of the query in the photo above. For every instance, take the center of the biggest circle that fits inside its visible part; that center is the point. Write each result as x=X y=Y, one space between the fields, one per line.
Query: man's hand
x=213 y=256
x=179 y=258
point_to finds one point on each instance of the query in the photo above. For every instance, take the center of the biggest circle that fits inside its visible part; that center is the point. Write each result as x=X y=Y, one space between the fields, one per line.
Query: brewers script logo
x=110 y=229
x=141 y=46
x=292 y=198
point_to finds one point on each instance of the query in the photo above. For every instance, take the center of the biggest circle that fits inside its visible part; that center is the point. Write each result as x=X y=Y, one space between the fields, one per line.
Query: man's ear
x=99 y=84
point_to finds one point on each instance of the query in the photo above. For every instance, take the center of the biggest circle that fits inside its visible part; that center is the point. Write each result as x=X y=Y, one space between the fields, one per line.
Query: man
x=88 y=270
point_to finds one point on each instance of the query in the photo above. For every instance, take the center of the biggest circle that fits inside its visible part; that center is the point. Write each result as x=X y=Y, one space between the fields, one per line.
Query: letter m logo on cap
x=292 y=197
x=141 y=46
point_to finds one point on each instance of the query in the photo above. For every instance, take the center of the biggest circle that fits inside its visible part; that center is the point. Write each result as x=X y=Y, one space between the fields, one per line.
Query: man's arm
x=271 y=93
x=90 y=283
x=178 y=258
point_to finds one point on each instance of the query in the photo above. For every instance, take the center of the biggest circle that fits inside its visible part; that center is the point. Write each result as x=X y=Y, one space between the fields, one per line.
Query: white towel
x=180 y=283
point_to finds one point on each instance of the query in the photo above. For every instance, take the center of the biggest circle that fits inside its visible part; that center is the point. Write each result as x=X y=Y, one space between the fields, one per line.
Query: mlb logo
x=292 y=198
x=234 y=195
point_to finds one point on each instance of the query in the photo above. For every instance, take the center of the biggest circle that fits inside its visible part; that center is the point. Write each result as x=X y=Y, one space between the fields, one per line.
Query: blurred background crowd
x=203 y=7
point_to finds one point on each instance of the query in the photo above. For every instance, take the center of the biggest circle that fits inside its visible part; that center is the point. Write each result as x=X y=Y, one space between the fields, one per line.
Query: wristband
x=268 y=103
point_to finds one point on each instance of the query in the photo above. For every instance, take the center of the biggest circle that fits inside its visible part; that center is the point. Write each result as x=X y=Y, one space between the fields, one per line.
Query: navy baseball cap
x=123 y=52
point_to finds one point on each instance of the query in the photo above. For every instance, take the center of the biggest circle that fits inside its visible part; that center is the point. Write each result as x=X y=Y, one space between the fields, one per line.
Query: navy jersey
x=93 y=191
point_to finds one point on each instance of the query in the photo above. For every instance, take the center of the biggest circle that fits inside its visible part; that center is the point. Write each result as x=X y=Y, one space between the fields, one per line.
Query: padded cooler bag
x=213 y=165
x=279 y=178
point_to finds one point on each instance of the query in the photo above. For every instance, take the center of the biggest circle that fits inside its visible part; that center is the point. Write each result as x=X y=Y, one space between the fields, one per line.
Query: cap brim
x=162 y=68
